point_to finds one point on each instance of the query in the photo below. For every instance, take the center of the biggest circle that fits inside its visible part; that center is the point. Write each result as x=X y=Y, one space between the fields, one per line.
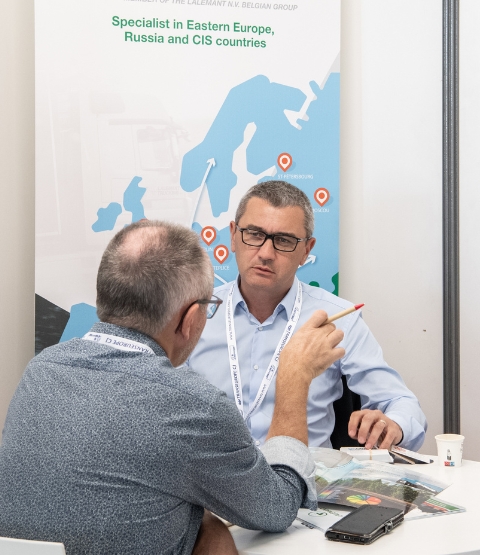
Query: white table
x=439 y=535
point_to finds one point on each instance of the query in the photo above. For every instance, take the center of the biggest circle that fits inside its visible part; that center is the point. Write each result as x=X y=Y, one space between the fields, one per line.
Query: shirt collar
x=285 y=304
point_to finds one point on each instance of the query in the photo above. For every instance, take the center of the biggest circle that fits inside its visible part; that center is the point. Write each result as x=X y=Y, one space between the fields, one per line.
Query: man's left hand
x=371 y=427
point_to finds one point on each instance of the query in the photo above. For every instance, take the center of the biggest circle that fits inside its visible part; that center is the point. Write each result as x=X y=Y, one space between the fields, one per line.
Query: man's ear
x=233 y=229
x=188 y=324
x=308 y=247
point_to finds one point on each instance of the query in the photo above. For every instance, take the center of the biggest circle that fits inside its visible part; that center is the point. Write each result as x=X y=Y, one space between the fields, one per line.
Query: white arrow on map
x=211 y=163
x=310 y=259
x=219 y=278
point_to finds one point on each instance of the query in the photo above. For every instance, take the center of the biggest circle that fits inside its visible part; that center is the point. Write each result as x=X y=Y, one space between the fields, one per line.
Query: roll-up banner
x=172 y=110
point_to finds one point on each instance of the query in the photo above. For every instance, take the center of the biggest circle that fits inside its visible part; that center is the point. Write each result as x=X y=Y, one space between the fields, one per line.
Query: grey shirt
x=114 y=451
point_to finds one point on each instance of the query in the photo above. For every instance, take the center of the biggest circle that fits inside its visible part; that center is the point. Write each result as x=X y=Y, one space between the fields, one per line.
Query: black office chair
x=343 y=408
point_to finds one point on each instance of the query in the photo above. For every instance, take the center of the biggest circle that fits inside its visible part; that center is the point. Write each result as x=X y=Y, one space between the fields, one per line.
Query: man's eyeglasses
x=255 y=238
x=212 y=307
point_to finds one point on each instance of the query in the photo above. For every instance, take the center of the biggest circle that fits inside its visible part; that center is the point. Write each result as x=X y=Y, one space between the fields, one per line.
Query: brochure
x=434 y=507
x=370 y=483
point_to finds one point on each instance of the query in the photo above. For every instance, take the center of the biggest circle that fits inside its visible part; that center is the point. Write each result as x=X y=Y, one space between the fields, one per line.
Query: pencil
x=344 y=313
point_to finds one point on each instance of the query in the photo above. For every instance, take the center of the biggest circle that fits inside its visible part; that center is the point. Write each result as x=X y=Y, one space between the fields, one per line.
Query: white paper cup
x=450 y=449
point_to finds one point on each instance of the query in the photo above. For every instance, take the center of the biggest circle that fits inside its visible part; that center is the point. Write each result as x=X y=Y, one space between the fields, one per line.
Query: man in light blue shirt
x=271 y=237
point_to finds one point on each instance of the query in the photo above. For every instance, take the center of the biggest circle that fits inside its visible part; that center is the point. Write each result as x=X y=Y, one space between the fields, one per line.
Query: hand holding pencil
x=313 y=348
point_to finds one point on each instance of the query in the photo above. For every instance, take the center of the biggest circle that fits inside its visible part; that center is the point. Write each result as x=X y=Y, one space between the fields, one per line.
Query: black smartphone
x=364 y=525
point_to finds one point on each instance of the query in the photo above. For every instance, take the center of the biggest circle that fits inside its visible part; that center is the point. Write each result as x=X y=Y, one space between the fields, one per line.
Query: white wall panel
x=469 y=224
x=391 y=185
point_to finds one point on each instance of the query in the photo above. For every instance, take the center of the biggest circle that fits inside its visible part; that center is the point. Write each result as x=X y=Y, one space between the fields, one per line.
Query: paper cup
x=450 y=449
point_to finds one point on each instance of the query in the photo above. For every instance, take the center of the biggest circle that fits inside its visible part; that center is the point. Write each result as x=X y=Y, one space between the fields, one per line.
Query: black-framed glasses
x=212 y=307
x=281 y=242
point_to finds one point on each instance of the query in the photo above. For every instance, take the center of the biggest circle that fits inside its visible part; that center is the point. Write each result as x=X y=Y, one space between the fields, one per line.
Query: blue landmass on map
x=132 y=202
x=256 y=100
x=107 y=217
x=82 y=318
x=132 y=198
x=314 y=149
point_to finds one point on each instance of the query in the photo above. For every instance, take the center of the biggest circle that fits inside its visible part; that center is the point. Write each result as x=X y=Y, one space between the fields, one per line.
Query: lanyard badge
x=272 y=368
x=116 y=342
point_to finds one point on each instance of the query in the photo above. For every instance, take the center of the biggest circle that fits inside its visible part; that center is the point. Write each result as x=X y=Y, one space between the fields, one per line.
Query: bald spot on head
x=135 y=242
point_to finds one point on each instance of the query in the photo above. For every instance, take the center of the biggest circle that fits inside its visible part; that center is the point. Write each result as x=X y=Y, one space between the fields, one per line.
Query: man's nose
x=267 y=251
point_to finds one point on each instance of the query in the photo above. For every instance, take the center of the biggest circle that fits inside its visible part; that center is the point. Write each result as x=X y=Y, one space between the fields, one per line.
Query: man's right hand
x=313 y=348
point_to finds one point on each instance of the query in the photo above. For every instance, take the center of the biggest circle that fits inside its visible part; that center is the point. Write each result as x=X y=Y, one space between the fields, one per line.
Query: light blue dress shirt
x=379 y=386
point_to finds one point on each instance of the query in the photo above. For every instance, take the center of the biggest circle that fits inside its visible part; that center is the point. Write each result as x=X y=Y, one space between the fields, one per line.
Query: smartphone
x=364 y=525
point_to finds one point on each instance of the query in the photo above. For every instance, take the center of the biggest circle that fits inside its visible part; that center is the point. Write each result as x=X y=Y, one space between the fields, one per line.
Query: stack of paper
x=362 y=454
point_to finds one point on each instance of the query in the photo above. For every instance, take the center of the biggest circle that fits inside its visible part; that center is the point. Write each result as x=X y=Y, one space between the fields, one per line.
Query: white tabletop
x=439 y=535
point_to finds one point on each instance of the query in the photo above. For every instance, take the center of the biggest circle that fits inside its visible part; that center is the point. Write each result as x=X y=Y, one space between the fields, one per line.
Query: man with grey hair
x=110 y=448
x=272 y=236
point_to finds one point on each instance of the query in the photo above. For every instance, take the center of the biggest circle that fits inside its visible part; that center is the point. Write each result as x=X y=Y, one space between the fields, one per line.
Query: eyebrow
x=257 y=228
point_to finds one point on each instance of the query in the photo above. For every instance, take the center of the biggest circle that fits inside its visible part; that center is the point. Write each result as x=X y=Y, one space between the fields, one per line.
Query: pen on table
x=344 y=313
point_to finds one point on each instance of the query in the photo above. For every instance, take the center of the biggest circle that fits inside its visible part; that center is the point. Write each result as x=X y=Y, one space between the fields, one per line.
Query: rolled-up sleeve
x=290 y=452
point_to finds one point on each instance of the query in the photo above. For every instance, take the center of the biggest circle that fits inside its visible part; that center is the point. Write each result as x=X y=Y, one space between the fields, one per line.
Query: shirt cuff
x=288 y=451
x=413 y=433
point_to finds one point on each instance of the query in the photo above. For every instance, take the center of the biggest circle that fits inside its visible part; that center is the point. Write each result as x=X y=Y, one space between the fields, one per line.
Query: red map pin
x=284 y=161
x=221 y=253
x=321 y=196
x=208 y=234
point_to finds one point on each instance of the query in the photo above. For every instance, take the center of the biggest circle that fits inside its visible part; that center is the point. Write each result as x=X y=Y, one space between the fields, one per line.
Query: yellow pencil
x=344 y=313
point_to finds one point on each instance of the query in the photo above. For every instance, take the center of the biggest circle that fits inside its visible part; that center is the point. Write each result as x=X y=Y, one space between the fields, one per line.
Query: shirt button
x=255 y=367
x=257 y=443
x=260 y=328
